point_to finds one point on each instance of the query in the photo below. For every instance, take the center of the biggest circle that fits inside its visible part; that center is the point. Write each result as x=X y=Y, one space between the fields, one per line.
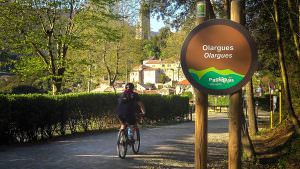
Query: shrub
x=25 y=89
x=26 y=118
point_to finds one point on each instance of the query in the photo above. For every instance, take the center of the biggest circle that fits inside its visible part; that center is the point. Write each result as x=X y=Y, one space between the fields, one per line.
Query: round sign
x=219 y=57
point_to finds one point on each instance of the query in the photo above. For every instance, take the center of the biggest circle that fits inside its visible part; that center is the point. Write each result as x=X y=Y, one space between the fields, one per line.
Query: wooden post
x=235 y=108
x=271 y=111
x=201 y=108
x=280 y=102
x=200 y=129
x=234 y=143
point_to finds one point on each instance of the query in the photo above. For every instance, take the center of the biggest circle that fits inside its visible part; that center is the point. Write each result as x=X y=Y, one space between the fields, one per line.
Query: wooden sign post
x=201 y=108
x=235 y=109
x=218 y=57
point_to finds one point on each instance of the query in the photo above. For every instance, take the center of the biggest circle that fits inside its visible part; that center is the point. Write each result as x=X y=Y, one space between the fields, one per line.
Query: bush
x=263 y=102
x=25 y=89
x=33 y=117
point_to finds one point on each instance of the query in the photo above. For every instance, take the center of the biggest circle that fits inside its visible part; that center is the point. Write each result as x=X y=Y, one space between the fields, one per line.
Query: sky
x=155 y=24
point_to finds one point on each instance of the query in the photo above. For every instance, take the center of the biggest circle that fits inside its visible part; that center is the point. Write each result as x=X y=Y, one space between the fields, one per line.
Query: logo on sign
x=201 y=9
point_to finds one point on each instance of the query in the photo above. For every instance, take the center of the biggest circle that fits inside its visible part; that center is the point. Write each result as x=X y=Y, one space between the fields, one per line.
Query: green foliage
x=48 y=29
x=153 y=47
x=174 y=12
x=33 y=67
x=110 y=50
x=188 y=94
x=163 y=78
x=26 y=118
x=261 y=25
x=282 y=163
x=6 y=61
x=24 y=89
x=263 y=102
x=151 y=50
x=218 y=100
x=173 y=45
x=165 y=108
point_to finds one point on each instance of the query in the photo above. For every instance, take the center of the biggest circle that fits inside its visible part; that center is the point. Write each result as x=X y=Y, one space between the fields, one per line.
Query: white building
x=151 y=75
x=152 y=70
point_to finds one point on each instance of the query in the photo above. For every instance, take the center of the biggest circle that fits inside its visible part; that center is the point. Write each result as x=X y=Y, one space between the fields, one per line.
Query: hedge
x=27 y=118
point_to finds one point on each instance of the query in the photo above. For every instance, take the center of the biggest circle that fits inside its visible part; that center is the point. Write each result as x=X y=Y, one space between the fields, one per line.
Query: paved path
x=162 y=147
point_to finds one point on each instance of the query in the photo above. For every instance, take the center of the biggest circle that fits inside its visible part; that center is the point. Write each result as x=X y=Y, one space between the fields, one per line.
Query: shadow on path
x=161 y=147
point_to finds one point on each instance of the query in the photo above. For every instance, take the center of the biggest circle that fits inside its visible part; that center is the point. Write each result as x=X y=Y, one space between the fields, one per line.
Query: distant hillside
x=153 y=33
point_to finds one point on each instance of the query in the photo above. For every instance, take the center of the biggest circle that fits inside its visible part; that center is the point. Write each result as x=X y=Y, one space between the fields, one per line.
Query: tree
x=250 y=109
x=177 y=12
x=154 y=46
x=48 y=29
x=173 y=45
x=283 y=70
x=108 y=55
x=262 y=24
x=292 y=26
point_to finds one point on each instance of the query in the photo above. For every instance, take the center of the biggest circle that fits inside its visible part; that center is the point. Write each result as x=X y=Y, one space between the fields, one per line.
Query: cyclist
x=128 y=105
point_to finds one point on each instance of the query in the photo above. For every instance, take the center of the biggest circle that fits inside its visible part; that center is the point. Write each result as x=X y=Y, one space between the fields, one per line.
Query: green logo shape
x=212 y=78
x=201 y=11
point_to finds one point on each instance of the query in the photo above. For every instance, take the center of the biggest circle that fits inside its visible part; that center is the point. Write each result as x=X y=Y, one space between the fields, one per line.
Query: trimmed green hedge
x=26 y=118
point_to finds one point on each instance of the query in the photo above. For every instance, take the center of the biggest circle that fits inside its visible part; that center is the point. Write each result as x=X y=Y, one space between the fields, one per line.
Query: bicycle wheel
x=137 y=141
x=122 y=144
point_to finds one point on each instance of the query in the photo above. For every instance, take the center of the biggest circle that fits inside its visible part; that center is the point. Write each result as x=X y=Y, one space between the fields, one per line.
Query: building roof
x=149 y=92
x=184 y=82
x=143 y=67
x=150 y=69
x=153 y=62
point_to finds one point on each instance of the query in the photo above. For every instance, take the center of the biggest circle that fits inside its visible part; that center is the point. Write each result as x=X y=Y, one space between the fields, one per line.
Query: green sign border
x=235 y=26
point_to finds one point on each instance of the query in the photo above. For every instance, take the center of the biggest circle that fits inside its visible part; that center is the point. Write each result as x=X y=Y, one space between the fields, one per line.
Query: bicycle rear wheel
x=122 y=144
x=137 y=141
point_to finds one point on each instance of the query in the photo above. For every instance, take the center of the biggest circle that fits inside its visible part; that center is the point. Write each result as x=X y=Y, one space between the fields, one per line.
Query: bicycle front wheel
x=122 y=144
x=137 y=141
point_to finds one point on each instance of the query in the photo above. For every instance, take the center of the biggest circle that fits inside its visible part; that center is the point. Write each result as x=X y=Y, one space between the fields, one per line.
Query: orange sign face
x=219 y=57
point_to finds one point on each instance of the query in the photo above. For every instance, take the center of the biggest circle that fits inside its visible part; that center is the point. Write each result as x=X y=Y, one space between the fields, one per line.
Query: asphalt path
x=161 y=147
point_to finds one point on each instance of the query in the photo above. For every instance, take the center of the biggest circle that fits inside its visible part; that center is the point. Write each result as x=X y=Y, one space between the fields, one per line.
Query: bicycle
x=124 y=141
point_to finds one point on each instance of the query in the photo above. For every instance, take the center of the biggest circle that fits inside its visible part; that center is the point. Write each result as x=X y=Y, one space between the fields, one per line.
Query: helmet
x=129 y=86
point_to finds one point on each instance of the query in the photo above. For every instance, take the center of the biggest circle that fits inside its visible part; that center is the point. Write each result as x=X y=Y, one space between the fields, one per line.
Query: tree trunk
x=295 y=36
x=284 y=76
x=90 y=78
x=227 y=8
x=246 y=140
x=57 y=81
x=56 y=86
x=210 y=14
x=250 y=109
